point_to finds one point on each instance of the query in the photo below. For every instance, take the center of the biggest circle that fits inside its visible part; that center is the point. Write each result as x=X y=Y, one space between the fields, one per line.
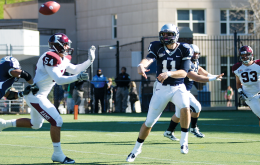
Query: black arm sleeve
x=26 y=75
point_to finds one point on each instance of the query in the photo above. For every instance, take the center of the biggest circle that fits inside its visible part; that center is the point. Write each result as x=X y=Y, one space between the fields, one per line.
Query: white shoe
x=60 y=158
x=131 y=157
x=196 y=132
x=2 y=124
x=184 y=149
x=170 y=135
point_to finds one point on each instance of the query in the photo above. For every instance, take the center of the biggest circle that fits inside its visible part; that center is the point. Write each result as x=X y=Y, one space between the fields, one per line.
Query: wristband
x=212 y=78
x=20 y=94
x=169 y=74
x=139 y=65
x=239 y=90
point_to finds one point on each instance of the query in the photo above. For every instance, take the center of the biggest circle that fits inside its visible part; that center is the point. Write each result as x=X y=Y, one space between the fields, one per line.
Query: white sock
x=10 y=123
x=57 y=147
x=138 y=146
x=184 y=138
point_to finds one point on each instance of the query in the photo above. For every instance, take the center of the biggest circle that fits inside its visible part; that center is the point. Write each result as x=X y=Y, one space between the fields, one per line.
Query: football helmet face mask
x=196 y=52
x=246 y=54
x=61 y=44
x=169 y=34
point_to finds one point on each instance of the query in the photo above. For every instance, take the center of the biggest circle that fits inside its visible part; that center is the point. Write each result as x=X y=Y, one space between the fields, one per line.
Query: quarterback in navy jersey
x=198 y=74
x=173 y=62
x=11 y=72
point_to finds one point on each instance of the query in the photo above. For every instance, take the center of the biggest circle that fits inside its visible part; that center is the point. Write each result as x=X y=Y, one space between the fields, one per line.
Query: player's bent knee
x=58 y=123
x=149 y=123
x=36 y=125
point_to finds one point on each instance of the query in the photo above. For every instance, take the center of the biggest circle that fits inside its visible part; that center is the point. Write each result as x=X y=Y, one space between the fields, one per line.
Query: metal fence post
x=235 y=61
x=117 y=58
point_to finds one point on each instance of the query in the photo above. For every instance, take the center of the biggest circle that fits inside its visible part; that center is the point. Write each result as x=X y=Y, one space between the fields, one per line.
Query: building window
x=194 y=19
x=114 y=26
x=241 y=21
x=226 y=68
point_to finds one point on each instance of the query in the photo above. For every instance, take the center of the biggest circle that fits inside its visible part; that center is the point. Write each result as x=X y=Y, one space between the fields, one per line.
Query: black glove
x=243 y=96
x=34 y=88
x=27 y=90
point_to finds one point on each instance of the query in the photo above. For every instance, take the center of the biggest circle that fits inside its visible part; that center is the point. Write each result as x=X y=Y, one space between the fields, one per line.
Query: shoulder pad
x=68 y=57
x=257 y=62
x=236 y=66
x=51 y=59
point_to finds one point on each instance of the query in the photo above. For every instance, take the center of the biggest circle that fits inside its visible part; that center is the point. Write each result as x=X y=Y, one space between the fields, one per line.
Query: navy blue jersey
x=187 y=81
x=170 y=60
x=6 y=81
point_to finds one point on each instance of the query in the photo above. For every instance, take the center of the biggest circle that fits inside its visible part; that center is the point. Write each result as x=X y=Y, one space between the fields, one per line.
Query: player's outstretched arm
x=18 y=73
x=76 y=69
x=200 y=78
x=142 y=67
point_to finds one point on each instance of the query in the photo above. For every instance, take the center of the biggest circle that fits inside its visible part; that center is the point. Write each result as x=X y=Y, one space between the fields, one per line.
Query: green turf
x=232 y=137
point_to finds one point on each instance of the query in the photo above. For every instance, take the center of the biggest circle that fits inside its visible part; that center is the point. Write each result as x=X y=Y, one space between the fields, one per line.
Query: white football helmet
x=169 y=34
x=196 y=52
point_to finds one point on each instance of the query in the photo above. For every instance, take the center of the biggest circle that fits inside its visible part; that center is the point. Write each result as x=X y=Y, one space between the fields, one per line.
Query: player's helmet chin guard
x=248 y=51
x=172 y=32
x=196 y=50
x=57 y=42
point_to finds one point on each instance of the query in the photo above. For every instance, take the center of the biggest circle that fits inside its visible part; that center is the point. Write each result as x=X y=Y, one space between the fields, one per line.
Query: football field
x=231 y=137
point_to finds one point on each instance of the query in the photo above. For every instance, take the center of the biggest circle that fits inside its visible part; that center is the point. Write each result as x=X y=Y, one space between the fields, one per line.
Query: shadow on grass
x=216 y=121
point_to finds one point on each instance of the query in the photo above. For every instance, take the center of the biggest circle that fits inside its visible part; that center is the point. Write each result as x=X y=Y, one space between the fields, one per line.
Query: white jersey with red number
x=249 y=76
x=43 y=80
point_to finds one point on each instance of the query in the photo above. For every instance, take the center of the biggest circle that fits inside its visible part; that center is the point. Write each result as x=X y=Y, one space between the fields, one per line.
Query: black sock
x=140 y=140
x=185 y=129
x=194 y=122
x=172 y=126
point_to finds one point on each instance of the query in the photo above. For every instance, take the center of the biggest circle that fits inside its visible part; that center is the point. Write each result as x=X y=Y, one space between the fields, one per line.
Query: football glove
x=243 y=96
x=82 y=76
x=91 y=53
x=34 y=88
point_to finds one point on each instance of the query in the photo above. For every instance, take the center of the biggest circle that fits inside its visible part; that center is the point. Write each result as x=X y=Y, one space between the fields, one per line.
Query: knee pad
x=196 y=108
x=59 y=121
x=36 y=125
x=149 y=122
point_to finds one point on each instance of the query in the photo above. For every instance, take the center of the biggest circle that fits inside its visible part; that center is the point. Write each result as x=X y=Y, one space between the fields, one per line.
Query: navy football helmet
x=169 y=34
x=246 y=54
x=13 y=62
x=57 y=42
x=196 y=52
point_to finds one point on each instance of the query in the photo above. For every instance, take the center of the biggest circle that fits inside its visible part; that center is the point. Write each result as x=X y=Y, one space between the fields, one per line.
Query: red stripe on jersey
x=44 y=114
x=236 y=66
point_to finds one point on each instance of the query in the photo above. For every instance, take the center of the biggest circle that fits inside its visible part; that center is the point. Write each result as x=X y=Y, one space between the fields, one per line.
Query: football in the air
x=49 y=8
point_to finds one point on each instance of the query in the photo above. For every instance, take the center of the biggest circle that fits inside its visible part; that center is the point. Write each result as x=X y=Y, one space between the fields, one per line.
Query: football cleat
x=131 y=157
x=184 y=149
x=195 y=131
x=66 y=160
x=170 y=135
x=2 y=124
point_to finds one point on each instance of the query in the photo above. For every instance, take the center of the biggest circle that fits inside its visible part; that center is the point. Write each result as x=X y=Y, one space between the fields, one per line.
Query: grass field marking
x=85 y=152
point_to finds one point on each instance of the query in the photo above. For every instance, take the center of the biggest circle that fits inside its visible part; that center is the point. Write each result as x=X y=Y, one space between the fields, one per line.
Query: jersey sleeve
x=152 y=50
x=236 y=66
x=192 y=67
x=187 y=52
x=51 y=59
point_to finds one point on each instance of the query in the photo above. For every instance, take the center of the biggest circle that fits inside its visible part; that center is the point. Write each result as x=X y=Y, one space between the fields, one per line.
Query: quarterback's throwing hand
x=82 y=76
x=91 y=53
x=141 y=70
